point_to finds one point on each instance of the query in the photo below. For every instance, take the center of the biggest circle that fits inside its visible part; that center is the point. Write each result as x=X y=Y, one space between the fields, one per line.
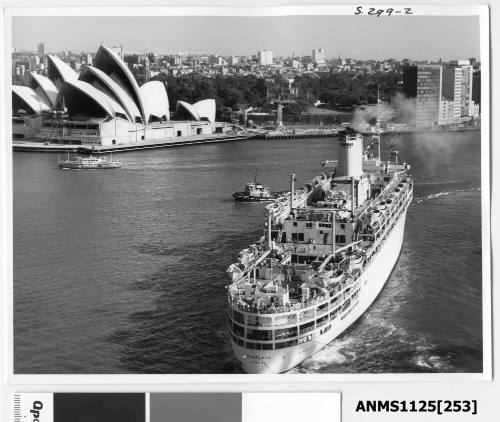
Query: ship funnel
x=350 y=156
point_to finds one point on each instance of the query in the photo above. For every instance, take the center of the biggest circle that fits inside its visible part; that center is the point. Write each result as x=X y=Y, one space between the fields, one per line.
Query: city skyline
x=427 y=38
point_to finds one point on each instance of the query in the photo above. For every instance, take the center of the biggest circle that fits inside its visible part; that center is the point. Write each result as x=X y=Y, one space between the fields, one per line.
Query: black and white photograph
x=250 y=194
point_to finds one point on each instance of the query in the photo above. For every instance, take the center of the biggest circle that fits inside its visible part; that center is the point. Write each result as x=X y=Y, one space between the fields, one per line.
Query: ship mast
x=292 y=191
x=377 y=127
x=269 y=232
x=333 y=232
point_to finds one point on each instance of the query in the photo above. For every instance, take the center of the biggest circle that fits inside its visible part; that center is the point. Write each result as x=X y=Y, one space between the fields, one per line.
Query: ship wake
x=338 y=352
x=419 y=199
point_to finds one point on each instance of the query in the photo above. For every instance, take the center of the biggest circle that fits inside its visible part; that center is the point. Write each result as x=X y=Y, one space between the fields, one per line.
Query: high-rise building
x=34 y=63
x=217 y=60
x=429 y=92
x=318 y=56
x=131 y=60
x=476 y=87
x=175 y=60
x=457 y=86
x=446 y=112
x=407 y=113
x=151 y=58
x=463 y=62
x=466 y=103
x=424 y=83
x=41 y=49
x=452 y=90
x=86 y=58
x=265 y=57
x=410 y=81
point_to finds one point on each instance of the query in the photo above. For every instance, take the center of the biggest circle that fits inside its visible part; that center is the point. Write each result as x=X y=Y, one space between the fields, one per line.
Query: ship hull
x=69 y=166
x=243 y=197
x=372 y=280
x=247 y=198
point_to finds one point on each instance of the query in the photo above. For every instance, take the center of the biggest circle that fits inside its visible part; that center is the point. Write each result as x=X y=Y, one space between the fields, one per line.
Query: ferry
x=328 y=251
x=88 y=163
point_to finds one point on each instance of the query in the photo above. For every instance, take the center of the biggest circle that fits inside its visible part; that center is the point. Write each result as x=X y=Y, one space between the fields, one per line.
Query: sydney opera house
x=102 y=105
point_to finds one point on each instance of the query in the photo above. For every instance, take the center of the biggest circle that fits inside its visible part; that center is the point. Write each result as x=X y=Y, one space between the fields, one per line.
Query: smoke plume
x=400 y=110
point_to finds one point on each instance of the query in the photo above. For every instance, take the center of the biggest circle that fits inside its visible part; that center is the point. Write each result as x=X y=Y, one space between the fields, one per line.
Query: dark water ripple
x=124 y=271
x=162 y=340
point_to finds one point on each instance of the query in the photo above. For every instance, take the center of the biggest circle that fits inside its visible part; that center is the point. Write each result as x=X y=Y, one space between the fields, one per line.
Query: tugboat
x=255 y=192
x=89 y=163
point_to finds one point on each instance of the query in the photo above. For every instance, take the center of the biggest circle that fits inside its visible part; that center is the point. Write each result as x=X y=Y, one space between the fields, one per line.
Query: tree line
x=336 y=90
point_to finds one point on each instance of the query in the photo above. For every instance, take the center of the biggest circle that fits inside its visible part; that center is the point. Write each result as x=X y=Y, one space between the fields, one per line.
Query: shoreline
x=36 y=146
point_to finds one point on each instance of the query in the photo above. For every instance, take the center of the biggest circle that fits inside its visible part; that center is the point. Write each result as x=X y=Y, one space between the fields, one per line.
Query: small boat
x=255 y=192
x=84 y=163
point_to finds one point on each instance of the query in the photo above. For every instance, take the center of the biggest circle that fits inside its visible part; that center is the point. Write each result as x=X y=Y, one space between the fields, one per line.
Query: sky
x=361 y=37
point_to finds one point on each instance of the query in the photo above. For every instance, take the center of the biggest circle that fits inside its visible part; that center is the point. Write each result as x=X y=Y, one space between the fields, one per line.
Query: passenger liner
x=328 y=252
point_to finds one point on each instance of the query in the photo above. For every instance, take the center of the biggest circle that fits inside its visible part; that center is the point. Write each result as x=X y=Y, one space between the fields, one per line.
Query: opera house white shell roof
x=81 y=98
x=206 y=109
x=44 y=87
x=107 y=89
x=104 y=83
x=25 y=98
x=58 y=71
x=155 y=101
x=202 y=110
x=111 y=64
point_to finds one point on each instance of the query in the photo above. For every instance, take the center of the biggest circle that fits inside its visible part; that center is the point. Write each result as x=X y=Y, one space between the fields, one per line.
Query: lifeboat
x=273 y=207
x=234 y=272
x=247 y=255
x=336 y=276
x=355 y=262
x=375 y=216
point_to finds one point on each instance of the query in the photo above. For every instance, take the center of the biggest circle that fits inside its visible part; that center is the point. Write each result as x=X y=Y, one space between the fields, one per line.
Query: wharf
x=164 y=143
x=97 y=149
x=34 y=146
x=298 y=135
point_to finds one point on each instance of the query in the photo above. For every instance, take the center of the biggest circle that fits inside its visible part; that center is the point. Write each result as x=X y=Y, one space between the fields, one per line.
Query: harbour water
x=123 y=271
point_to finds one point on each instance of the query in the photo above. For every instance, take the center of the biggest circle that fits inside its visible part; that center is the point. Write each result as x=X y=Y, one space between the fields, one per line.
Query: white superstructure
x=88 y=163
x=329 y=249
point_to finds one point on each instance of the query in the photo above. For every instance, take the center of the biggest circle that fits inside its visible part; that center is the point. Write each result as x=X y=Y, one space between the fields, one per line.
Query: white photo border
x=233 y=382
